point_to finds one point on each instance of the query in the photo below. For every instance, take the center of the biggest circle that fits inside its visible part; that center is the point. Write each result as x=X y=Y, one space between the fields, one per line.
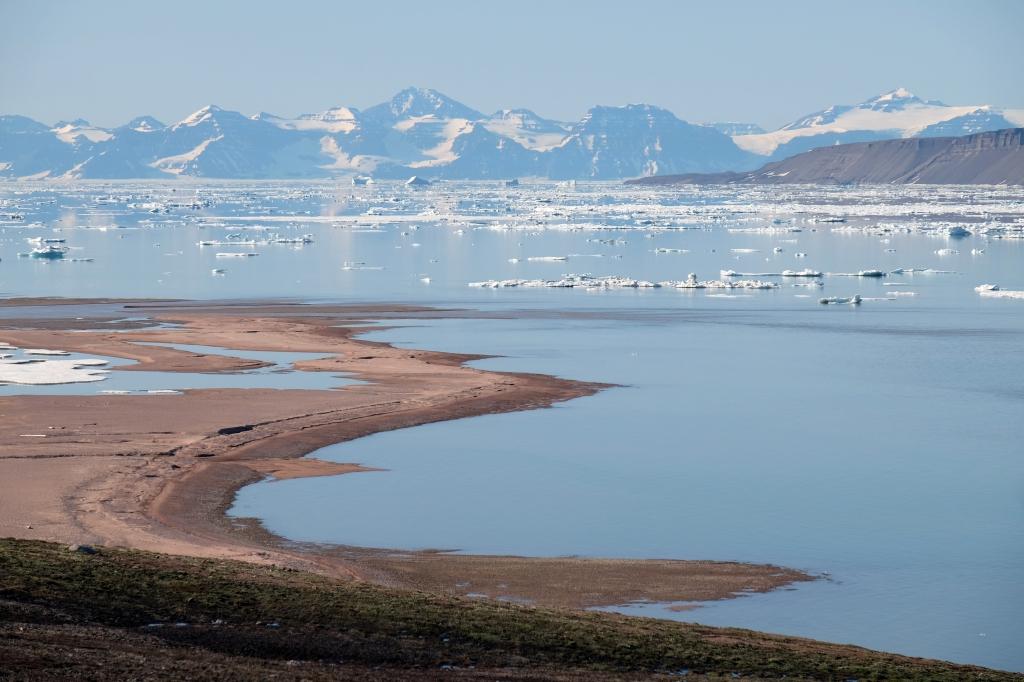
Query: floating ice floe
x=691 y=282
x=946 y=252
x=993 y=291
x=587 y=281
x=840 y=300
x=784 y=273
x=227 y=242
x=925 y=271
x=357 y=265
x=776 y=229
x=664 y=249
x=235 y=254
x=217 y=271
x=860 y=273
x=45 y=351
x=545 y=259
x=48 y=252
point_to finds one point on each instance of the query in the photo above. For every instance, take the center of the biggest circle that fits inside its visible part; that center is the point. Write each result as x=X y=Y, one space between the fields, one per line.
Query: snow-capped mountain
x=639 y=139
x=426 y=133
x=895 y=114
x=419 y=102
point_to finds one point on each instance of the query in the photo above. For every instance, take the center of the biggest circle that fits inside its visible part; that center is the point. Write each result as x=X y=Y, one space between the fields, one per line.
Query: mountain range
x=989 y=158
x=426 y=133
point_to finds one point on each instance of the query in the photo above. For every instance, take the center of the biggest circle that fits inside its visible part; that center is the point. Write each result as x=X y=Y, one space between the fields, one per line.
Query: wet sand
x=158 y=472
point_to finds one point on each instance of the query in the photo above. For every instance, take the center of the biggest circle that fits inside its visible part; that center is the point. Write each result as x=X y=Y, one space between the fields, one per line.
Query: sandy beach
x=158 y=472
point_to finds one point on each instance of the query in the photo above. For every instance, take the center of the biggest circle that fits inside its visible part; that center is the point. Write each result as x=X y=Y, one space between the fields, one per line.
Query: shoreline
x=160 y=472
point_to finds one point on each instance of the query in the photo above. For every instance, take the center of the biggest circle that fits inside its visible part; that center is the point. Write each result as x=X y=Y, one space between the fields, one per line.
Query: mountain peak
x=413 y=102
x=894 y=100
x=339 y=113
x=200 y=115
x=145 y=124
x=898 y=93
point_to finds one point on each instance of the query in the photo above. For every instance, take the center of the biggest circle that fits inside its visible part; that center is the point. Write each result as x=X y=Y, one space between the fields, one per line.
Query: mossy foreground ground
x=120 y=615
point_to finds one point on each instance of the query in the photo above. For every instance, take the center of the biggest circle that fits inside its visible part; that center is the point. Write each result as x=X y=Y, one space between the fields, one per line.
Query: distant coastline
x=990 y=158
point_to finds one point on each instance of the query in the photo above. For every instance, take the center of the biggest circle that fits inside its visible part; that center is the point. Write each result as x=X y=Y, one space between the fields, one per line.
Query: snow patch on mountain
x=527 y=128
x=203 y=115
x=69 y=132
x=336 y=120
x=178 y=163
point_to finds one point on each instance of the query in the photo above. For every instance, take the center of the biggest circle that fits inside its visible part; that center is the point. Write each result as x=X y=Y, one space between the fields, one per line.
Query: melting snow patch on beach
x=40 y=372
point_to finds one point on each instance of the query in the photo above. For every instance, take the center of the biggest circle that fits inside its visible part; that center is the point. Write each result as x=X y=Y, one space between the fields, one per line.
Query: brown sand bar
x=158 y=472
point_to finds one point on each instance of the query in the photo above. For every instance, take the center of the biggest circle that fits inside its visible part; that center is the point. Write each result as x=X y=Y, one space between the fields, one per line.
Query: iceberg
x=49 y=252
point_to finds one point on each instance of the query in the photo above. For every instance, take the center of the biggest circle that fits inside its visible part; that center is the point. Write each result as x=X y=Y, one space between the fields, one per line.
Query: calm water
x=880 y=444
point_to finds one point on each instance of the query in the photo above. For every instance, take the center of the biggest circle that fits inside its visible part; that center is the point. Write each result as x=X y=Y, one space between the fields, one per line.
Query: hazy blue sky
x=766 y=62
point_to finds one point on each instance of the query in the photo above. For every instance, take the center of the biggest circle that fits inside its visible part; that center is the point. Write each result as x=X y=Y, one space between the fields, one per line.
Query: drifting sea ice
x=840 y=300
x=993 y=291
x=785 y=273
x=587 y=281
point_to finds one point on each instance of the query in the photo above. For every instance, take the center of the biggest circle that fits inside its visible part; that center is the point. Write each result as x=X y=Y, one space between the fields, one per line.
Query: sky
x=761 y=62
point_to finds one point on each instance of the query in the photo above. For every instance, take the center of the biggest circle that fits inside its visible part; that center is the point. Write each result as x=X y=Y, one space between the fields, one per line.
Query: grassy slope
x=65 y=613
